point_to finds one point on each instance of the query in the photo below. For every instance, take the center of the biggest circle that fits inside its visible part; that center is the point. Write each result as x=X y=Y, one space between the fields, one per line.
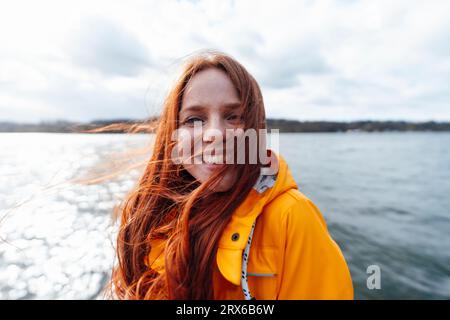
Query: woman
x=200 y=230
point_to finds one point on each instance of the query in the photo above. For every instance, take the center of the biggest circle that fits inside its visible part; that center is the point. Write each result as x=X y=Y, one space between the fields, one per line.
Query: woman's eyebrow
x=199 y=107
x=232 y=105
x=194 y=107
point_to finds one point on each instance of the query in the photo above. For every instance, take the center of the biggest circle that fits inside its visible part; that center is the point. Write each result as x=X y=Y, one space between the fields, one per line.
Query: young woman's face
x=211 y=101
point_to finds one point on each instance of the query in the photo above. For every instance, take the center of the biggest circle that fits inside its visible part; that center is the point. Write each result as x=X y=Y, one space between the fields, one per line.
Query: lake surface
x=385 y=197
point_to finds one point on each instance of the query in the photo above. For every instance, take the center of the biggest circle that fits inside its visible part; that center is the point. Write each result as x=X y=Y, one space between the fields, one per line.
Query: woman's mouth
x=212 y=163
x=212 y=166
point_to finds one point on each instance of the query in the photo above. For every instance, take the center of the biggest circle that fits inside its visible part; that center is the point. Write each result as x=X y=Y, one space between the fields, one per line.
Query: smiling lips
x=212 y=163
x=212 y=166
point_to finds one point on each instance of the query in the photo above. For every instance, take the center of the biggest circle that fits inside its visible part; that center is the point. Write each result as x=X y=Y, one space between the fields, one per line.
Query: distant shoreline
x=281 y=124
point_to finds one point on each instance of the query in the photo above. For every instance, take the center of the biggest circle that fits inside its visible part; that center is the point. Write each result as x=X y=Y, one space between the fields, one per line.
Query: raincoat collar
x=235 y=235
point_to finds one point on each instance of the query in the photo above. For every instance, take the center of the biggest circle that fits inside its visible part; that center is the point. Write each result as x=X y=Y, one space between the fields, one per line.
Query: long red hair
x=168 y=203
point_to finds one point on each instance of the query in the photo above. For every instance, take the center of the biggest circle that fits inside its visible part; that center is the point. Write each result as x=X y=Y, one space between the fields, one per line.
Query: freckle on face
x=210 y=88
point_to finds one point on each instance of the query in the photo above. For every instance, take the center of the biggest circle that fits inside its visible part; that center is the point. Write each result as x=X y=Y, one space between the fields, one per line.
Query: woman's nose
x=214 y=130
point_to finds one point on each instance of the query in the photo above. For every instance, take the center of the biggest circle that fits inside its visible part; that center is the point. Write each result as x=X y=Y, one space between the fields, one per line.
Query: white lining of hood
x=264 y=182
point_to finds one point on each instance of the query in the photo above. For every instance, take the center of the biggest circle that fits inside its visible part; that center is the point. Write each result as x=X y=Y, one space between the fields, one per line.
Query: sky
x=339 y=60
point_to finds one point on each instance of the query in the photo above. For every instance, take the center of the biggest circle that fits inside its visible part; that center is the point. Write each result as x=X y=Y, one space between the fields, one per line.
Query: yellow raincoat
x=292 y=255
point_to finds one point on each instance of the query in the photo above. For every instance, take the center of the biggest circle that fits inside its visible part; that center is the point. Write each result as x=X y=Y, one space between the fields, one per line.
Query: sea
x=385 y=197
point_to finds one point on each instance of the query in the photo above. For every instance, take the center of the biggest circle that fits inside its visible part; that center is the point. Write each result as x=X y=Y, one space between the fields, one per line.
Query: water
x=385 y=197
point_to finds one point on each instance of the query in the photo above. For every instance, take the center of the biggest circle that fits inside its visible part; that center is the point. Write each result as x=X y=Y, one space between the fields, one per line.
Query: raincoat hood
x=290 y=255
x=265 y=190
x=234 y=237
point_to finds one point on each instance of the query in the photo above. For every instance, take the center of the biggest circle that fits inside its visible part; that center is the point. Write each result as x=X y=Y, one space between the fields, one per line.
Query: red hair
x=168 y=203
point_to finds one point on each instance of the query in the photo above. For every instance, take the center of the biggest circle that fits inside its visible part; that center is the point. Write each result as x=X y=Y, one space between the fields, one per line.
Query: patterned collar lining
x=264 y=182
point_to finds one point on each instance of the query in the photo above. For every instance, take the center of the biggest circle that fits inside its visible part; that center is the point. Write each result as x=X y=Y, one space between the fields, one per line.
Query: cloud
x=324 y=60
x=284 y=69
x=107 y=47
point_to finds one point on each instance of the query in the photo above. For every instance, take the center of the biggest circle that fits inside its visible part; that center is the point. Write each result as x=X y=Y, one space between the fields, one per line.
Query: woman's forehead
x=210 y=87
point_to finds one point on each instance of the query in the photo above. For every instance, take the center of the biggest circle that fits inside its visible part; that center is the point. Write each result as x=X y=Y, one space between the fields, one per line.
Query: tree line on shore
x=281 y=124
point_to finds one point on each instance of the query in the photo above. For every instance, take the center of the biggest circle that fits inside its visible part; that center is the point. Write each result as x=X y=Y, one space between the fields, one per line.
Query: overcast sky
x=314 y=60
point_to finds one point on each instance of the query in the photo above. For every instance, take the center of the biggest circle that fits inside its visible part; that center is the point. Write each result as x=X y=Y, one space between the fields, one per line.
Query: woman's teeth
x=213 y=160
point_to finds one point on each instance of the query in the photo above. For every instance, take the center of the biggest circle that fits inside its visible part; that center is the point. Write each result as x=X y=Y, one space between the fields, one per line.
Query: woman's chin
x=224 y=184
x=220 y=187
x=203 y=172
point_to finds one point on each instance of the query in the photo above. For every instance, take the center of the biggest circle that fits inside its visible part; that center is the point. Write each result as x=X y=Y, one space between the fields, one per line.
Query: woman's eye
x=192 y=120
x=234 y=117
